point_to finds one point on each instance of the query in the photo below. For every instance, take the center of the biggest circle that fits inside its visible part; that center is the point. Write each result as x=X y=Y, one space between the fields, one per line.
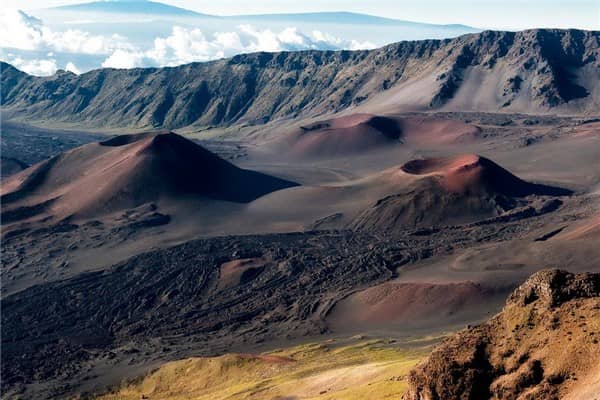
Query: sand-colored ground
x=236 y=272
x=405 y=305
x=355 y=134
x=588 y=229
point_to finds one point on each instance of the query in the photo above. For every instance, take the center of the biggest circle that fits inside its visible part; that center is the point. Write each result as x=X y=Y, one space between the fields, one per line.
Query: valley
x=304 y=224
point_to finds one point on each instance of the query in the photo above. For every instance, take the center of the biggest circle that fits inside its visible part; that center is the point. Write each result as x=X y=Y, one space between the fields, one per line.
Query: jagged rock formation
x=543 y=345
x=536 y=70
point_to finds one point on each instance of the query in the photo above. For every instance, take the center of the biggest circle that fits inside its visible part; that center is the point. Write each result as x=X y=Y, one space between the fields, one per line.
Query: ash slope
x=128 y=171
x=537 y=71
x=352 y=134
x=458 y=190
x=359 y=133
x=544 y=344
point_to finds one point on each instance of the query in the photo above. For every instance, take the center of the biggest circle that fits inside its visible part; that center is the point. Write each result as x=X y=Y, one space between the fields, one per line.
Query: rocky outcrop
x=543 y=345
x=554 y=287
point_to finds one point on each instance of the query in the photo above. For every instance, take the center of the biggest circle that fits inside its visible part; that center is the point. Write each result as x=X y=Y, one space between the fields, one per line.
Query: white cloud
x=123 y=59
x=356 y=45
x=291 y=36
x=185 y=45
x=261 y=40
x=19 y=30
x=72 y=68
x=325 y=39
x=35 y=67
x=76 y=41
x=228 y=40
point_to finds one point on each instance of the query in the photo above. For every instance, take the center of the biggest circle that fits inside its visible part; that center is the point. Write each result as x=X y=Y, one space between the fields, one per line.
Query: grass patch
x=334 y=369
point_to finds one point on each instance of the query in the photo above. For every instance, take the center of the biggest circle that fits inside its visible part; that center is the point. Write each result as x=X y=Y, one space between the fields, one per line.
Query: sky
x=506 y=14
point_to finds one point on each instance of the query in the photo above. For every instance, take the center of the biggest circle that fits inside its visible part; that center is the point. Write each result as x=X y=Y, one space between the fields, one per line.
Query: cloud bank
x=35 y=66
x=185 y=45
x=20 y=31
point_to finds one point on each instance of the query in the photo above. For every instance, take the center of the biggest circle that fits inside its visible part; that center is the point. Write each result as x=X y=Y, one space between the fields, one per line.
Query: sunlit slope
x=357 y=369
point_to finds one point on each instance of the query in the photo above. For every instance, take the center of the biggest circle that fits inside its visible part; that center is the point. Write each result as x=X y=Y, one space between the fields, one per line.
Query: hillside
x=126 y=172
x=536 y=71
x=457 y=190
x=174 y=298
x=525 y=352
x=355 y=369
x=351 y=134
x=543 y=345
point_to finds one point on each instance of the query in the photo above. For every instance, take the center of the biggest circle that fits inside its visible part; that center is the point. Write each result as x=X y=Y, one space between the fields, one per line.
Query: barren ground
x=82 y=297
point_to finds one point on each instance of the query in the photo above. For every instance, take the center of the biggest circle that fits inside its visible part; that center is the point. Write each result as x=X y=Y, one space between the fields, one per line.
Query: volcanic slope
x=358 y=133
x=345 y=135
x=543 y=345
x=533 y=71
x=457 y=190
x=10 y=166
x=125 y=172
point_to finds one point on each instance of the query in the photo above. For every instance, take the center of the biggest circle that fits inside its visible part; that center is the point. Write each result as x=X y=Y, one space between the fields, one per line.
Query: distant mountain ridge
x=533 y=71
x=345 y=17
x=152 y=7
x=129 y=6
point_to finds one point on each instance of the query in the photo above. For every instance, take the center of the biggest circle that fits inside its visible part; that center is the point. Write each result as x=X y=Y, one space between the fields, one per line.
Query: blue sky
x=507 y=14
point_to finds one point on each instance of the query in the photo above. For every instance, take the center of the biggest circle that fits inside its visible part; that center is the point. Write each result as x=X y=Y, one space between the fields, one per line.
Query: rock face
x=536 y=70
x=553 y=288
x=543 y=345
